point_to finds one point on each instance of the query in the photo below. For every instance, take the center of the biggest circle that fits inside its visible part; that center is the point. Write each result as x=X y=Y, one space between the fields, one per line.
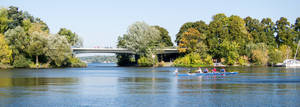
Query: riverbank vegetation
x=237 y=41
x=229 y=40
x=25 y=42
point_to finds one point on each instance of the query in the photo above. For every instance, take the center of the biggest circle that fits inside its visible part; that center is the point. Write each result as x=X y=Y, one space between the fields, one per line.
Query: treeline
x=229 y=40
x=99 y=59
x=237 y=41
x=25 y=41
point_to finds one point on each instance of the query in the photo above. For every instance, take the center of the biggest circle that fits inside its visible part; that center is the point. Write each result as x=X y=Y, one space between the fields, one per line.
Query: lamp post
x=153 y=56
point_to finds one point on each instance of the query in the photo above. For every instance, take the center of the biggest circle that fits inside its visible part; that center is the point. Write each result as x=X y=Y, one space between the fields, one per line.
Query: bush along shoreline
x=25 y=42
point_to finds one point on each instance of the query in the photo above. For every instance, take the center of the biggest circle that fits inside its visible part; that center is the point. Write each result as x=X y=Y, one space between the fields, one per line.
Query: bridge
x=117 y=50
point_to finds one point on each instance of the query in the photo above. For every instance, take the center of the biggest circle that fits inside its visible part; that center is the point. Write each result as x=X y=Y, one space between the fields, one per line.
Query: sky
x=100 y=22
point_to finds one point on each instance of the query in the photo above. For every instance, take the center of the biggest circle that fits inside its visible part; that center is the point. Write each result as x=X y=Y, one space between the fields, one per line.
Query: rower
x=214 y=70
x=206 y=70
x=223 y=70
x=176 y=71
x=199 y=70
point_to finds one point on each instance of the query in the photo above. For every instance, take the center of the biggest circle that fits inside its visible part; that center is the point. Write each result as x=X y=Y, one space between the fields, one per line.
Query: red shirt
x=215 y=70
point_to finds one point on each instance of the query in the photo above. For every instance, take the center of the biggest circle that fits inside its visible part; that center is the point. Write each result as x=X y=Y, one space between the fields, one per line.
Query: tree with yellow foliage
x=5 y=51
x=192 y=41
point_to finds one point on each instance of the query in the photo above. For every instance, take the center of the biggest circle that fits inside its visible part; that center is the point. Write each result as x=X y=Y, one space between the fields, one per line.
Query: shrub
x=275 y=56
x=208 y=60
x=194 y=60
x=145 y=62
x=161 y=64
x=76 y=62
x=21 y=62
x=243 y=60
x=260 y=57
x=183 y=61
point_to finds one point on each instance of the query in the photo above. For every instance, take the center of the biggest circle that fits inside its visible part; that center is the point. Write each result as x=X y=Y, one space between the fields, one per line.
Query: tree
x=268 y=31
x=229 y=51
x=4 y=21
x=199 y=25
x=37 y=45
x=218 y=29
x=255 y=28
x=17 y=40
x=72 y=37
x=5 y=51
x=59 y=49
x=238 y=33
x=142 y=39
x=183 y=28
x=284 y=33
x=36 y=27
x=297 y=25
x=15 y=15
x=192 y=41
x=165 y=40
x=124 y=59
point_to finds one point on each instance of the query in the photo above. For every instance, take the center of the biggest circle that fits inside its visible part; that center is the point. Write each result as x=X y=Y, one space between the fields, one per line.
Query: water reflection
x=121 y=86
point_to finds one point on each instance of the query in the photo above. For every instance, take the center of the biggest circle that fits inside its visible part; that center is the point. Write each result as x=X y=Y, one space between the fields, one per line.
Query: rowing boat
x=203 y=74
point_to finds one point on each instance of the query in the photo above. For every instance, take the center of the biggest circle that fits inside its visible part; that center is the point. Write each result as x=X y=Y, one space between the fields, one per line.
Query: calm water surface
x=107 y=85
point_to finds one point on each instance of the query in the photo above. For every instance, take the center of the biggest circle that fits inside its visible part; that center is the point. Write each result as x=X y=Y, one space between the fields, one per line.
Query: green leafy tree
x=17 y=40
x=142 y=39
x=72 y=37
x=59 y=49
x=165 y=40
x=238 y=33
x=268 y=31
x=38 y=45
x=124 y=59
x=15 y=15
x=218 y=28
x=4 y=21
x=229 y=51
x=284 y=32
x=21 y=61
x=255 y=28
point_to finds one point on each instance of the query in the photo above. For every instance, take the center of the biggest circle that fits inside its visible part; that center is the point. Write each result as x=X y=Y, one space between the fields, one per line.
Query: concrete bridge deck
x=116 y=50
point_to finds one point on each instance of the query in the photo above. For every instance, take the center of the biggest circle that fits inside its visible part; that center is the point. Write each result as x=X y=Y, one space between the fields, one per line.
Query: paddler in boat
x=206 y=70
x=176 y=72
x=214 y=70
x=223 y=70
x=199 y=70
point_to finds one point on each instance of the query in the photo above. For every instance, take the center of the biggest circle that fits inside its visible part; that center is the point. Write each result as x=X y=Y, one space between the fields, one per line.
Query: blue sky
x=100 y=22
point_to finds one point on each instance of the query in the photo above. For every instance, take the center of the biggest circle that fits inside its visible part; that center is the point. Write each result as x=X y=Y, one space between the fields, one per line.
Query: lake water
x=106 y=85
